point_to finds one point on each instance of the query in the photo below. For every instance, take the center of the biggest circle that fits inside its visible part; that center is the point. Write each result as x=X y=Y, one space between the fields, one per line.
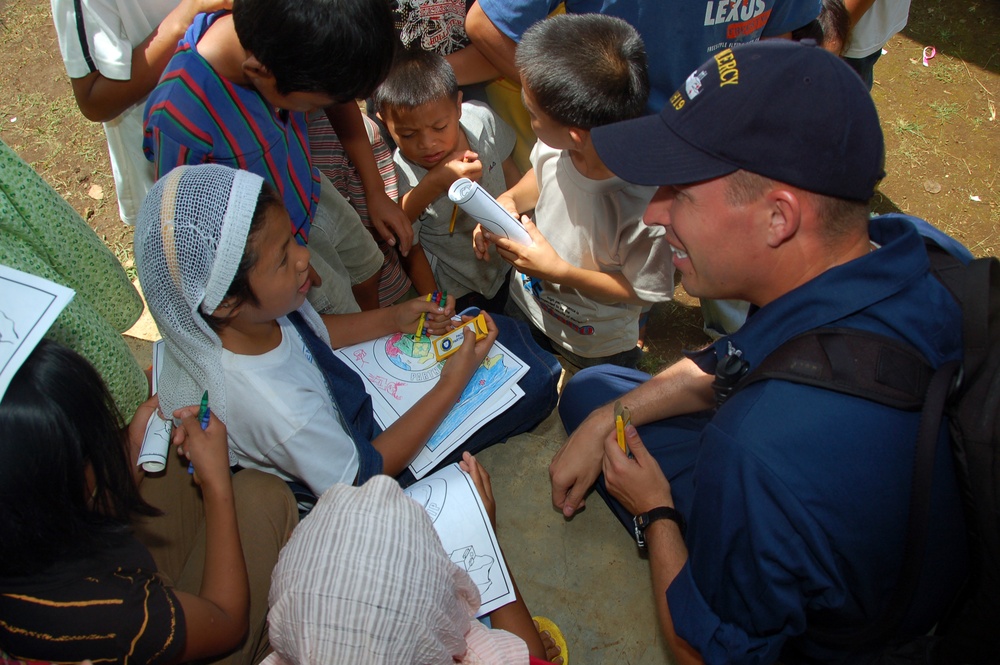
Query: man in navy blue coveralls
x=795 y=498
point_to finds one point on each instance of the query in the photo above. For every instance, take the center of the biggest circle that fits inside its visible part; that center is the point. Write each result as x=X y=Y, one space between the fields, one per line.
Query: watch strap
x=643 y=520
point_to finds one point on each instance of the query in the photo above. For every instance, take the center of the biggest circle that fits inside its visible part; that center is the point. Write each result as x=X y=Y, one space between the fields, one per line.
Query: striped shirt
x=195 y=116
x=112 y=609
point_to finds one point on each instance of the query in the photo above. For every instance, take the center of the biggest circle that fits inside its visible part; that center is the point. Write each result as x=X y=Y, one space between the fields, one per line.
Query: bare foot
x=553 y=653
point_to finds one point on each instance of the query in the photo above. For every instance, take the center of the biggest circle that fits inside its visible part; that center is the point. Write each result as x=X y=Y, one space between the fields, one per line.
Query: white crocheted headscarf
x=365 y=579
x=189 y=240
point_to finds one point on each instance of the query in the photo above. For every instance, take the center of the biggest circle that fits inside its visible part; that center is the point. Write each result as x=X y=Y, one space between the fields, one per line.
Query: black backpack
x=968 y=394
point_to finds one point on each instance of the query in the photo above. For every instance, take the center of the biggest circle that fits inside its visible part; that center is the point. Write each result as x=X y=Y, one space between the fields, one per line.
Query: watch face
x=639 y=523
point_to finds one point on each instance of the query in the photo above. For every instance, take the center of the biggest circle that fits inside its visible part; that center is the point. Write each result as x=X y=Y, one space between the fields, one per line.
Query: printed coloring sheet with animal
x=399 y=369
x=450 y=497
x=29 y=306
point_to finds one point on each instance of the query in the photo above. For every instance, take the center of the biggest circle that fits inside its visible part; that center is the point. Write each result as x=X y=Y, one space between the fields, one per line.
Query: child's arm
x=401 y=442
x=102 y=99
x=511 y=174
x=520 y=198
x=217 y=617
x=471 y=66
x=389 y=220
x=512 y=617
x=523 y=196
x=460 y=164
x=542 y=261
x=418 y=269
x=348 y=329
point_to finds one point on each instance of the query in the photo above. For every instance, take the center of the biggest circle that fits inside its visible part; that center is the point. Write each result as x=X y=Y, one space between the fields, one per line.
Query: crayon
x=204 y=412
x=622 y=419
x=454 y=216
x=423 y=318
x=204 y=415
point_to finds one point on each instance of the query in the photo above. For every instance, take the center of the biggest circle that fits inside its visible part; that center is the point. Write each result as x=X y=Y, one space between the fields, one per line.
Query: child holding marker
x=593 y=263
x=440 y=140
x=227 y=286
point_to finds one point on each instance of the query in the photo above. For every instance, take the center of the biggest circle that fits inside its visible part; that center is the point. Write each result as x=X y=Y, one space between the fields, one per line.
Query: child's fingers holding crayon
x=440 y=322
x=207 y=449
x=432 y=313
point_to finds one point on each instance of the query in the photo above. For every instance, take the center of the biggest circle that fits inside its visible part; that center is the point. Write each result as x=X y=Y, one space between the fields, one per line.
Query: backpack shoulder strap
x=851 y=361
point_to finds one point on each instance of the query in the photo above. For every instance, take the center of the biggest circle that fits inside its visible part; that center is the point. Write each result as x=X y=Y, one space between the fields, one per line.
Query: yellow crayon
x=422 y=319
x=622 y=418
x=454 y=216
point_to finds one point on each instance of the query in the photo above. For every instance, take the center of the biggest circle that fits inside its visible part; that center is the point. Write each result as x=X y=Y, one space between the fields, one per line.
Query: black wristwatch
x=642 y=521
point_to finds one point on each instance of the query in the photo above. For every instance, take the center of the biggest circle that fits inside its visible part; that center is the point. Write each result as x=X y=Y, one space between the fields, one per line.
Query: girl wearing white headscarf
x=226 y=284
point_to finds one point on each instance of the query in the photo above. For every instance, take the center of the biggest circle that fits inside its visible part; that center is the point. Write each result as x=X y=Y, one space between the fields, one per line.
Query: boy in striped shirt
x=236 y=92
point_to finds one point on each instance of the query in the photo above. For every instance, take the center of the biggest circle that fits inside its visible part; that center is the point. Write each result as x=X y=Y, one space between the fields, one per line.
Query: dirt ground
x=940 y=124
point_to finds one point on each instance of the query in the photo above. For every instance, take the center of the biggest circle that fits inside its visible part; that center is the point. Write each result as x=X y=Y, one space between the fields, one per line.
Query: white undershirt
x=281 y=418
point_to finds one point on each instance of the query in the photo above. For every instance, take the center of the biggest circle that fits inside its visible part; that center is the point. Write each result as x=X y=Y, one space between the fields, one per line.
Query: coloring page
x=29 y=305
x=450 y=497
x=398 y=370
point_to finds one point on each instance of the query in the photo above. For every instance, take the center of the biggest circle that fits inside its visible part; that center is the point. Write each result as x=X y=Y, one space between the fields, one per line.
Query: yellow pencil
x=422 y=319
x=454 y=216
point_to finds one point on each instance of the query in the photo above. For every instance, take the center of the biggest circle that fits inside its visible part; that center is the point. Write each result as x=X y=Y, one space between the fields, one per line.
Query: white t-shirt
x=882 y=20
x=595 y=225
x=281 y=418
x=456 y=268
x=101 y=38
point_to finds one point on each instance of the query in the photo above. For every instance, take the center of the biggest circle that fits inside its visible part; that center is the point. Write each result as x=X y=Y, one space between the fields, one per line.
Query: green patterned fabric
x=41 y=234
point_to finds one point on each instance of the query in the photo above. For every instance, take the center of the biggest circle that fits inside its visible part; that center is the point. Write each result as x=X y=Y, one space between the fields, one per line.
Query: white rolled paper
x=155 y=444
x=481 y=206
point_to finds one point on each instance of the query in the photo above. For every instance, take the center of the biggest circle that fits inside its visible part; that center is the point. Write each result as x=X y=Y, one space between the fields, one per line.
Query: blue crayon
x=204 y=414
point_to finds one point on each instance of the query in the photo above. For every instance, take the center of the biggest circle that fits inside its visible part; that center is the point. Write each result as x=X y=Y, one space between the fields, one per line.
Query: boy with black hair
x=593 y=262
x=439 y=140
x=237 y=91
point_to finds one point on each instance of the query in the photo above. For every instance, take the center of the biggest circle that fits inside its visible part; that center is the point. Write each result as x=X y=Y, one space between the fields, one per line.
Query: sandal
x=545 y=625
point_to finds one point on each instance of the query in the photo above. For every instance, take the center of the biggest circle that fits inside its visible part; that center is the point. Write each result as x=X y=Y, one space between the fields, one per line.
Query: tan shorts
x=344 y=253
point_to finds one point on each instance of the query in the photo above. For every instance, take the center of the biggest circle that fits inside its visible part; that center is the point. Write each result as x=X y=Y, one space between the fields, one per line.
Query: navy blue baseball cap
x=788 y=111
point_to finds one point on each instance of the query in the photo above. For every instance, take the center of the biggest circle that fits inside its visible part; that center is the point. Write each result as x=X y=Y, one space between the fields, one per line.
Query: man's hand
x=639 y=483
x=536 y=260
x=390 y=221
x=574 y=469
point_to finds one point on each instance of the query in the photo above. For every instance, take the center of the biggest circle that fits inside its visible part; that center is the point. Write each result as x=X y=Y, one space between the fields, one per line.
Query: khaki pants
x=266 y=513
x=344 y=253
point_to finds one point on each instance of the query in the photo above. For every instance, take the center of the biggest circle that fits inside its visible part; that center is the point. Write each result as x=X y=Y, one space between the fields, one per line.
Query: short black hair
x=833 y=22
x=585 y=70
x=340 y=48
x=417 y=77
x=239 y=291
x=57 y=419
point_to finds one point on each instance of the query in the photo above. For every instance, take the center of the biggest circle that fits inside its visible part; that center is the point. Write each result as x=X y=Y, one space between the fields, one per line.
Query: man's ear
x=785 y=215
